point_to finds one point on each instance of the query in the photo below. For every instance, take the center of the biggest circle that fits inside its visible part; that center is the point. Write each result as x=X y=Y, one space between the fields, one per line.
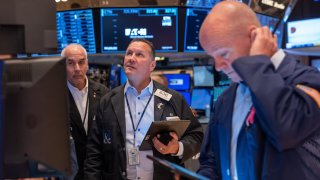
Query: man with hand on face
x=84 y=97
x=124 y=117
x=266 y=125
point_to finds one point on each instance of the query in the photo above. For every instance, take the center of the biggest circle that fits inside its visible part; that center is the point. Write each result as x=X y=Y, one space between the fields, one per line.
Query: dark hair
x=150 y=44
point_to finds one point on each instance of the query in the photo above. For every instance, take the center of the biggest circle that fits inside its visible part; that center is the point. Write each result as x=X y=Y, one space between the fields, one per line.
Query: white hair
x=63 y=52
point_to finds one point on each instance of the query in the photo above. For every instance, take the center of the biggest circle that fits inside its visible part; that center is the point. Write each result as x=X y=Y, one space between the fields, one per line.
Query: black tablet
x=158 y=127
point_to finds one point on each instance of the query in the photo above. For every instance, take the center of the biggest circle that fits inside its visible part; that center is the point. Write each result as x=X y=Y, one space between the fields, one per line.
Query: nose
x=76 y=66
x=130 y=58
x=219 y=64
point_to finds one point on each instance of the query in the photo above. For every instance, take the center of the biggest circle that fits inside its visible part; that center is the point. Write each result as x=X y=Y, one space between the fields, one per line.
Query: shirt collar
x=277 y=58
x=243 y=90
x=149 y=88
x=75 y=89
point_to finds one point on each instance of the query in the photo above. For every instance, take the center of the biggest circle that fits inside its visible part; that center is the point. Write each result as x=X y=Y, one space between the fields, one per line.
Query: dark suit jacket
x=284 y=141
x=107 y=159
x=96 y=91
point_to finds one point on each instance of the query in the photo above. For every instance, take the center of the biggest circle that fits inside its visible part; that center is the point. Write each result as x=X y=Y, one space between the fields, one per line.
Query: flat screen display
x=76 y=26
x=178 y=81
x=120 y=25
x=201 y=98
x=303 y=33
x=194 y=19
x=203 y=76
x=187 y=96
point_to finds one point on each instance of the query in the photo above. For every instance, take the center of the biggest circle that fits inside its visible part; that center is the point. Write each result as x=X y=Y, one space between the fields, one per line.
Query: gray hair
x=63 y=52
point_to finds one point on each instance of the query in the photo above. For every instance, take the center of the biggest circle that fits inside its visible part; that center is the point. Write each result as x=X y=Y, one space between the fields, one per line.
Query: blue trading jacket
x=284 y=141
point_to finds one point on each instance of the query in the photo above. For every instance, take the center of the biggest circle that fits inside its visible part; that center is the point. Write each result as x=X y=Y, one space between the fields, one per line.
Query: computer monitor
x=120 y=25
x=203 y=76
x=76 y=26
x=178 y=81
x=201 y=99
x=194 y=19
x=303 y=33
x=35 y=118
x=187 y=96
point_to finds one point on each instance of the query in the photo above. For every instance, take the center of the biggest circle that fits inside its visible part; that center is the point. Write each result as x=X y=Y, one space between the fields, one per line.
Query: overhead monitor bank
x=110 y=29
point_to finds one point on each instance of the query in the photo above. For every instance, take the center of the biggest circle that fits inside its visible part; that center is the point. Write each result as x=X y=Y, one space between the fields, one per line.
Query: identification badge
x=163 y=95
x=133 y=156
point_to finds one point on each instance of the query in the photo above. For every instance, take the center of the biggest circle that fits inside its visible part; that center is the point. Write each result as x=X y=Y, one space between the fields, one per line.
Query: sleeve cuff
x=180 y=151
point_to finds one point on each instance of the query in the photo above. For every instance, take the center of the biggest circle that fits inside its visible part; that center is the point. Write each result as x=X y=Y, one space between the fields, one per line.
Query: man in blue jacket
x=267 y=124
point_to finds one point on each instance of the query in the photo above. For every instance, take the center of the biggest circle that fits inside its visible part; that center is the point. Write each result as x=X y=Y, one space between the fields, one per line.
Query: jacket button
x=123 y=173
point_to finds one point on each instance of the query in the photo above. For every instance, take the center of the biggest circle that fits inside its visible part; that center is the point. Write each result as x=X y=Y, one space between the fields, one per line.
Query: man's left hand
x=263 y=42
x=171 y=148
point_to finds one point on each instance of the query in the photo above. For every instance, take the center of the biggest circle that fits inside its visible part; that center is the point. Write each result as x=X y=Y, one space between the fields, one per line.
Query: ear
x=252 y=33
x=87 y=63
x=153 y=65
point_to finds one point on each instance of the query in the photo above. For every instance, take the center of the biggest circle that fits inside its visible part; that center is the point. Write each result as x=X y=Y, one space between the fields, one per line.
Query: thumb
x=174 y=135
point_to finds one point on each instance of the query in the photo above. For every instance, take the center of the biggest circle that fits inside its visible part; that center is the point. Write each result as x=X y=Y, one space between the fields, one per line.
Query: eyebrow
x=71 y=59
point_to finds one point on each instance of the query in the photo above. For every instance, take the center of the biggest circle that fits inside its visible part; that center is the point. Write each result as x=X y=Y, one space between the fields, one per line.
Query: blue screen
x=178 y=81
x=123 y=76
x=194 y=19
x=186 y=96
x=120 y=25
x=201 y=98
x=76 y=27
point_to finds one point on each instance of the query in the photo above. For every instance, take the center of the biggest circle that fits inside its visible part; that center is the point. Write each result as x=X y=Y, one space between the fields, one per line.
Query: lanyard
x=85 y=113
x=144 y=110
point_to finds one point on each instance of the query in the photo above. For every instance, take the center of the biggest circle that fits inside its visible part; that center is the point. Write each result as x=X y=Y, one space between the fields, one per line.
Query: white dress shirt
x=81 y=97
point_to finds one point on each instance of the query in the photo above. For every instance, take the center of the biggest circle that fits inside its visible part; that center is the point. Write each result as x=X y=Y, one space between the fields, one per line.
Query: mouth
x=129 y=66
x=77 y=76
